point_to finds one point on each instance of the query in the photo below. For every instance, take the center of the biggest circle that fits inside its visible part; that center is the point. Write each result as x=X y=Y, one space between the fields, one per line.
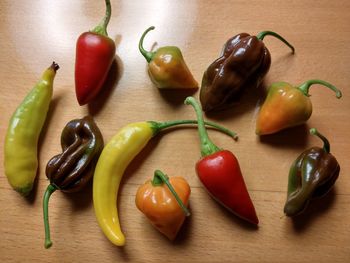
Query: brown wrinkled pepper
x=312 y=175
x=70 y=171
x=243 y=63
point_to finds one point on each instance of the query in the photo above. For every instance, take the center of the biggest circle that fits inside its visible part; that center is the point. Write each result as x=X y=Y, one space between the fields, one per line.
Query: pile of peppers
x=242 y=65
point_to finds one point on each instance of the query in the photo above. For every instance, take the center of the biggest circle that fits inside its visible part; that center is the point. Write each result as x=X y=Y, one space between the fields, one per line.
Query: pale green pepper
x=21 y=142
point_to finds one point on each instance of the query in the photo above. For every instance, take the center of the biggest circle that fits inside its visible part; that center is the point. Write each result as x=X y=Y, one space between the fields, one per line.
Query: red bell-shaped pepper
x=95 y=52
x=220 y=173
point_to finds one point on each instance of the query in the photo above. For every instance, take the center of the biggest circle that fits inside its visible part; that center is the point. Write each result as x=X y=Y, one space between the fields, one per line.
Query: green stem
x=261 y=36
x=306 y=85
x=160 y=178
x=50 y=189
x=326 y=145
x=101 y=28
x=158 y=126
x=147 y=54
x=207 y=146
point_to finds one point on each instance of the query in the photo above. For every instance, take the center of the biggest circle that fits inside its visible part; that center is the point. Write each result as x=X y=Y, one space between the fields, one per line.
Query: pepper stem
x=49 y=190
x=207 y=146
x=261 y=36
x=158 y=126
x=147 y=54
x=326 y=146
x=101 y=28
x=306 y=85
x=54 y=66
x=159 y=179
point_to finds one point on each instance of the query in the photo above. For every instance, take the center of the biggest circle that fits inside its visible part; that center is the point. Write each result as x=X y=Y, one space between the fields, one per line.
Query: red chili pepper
x=95 y=53
x=220 y=173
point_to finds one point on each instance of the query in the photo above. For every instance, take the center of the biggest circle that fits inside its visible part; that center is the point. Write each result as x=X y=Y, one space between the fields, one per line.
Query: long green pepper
x=21 y=142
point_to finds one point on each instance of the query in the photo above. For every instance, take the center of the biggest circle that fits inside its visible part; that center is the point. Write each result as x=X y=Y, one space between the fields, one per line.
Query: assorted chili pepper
x=95 y=52
x=26 y=123
x=167 y=67
x=243 y=64
x=220 y=173
x=70 y=171
x=287 y=106
x=311 y=175
x=115 y=157
x=164 y=201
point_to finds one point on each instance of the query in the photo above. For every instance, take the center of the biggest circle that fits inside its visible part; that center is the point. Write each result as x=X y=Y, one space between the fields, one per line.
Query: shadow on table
x=316 y=208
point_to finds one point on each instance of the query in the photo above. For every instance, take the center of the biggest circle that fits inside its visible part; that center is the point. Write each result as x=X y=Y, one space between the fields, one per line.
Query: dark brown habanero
x=243 y=63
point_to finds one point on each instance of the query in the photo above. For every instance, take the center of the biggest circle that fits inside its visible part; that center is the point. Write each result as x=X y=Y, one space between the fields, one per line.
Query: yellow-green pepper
x=21 y=142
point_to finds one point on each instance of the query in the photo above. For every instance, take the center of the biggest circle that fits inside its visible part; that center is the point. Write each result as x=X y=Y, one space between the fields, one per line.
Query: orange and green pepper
x=287 y=106
x=166 y=67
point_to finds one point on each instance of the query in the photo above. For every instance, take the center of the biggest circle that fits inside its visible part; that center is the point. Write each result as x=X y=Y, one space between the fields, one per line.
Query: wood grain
x=34 y=33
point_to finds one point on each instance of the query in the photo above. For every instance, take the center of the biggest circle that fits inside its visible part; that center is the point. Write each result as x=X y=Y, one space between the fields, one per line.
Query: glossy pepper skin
x=243 y=63
x=164 y=201
x=311 y=175
x=287 y=106
x=114 y=159
x=70 y=171
x=220 y=173
x=95 y=52
x=25 y=126
x=167 y=68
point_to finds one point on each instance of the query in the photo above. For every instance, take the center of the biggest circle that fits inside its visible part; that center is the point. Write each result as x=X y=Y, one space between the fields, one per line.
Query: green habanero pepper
x=167 y=68
x=311 y=175
x=21 y=142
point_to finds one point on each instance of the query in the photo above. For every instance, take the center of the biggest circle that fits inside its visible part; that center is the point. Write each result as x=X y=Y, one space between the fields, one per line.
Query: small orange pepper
x=164 y=201
x=287 y=106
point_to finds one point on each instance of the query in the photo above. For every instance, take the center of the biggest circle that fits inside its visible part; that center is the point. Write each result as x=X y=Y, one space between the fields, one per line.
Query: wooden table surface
x=35 y=33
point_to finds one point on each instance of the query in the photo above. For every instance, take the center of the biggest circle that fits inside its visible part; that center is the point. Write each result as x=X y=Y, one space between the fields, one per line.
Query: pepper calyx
x=207 y=146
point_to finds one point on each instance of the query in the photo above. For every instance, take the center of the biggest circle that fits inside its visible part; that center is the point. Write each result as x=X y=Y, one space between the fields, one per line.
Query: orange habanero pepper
x=164 y=206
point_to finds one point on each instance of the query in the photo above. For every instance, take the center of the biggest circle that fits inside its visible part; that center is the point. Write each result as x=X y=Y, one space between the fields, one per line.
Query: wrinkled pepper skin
x=287 y=106
x=70 y=171
x=220 y=173
x=167 y=68
x=22 y=137
x=95 y=53
x=311 y=175
x=243 y=64
x=82 y=144
x=160 y=204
